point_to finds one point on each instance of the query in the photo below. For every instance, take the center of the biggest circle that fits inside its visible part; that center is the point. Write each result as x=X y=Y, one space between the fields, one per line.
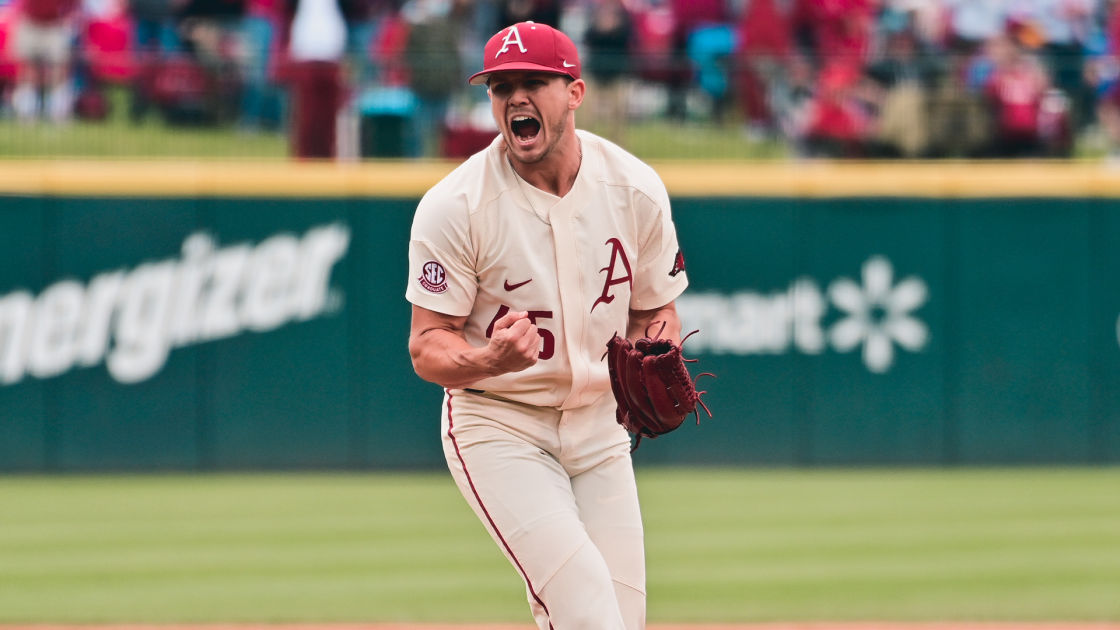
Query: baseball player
x=523 y=263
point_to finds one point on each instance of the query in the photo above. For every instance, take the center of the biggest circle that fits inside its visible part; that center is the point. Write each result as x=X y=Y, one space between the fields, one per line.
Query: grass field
x=117 y=137
x=723 y=546
x=121 y=139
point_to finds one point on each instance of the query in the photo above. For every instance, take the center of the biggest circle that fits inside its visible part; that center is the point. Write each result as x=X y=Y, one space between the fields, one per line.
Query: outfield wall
x=908 y=319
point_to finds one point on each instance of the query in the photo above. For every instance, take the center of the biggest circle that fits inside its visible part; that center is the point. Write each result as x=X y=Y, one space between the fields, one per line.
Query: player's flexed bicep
x=441 y=354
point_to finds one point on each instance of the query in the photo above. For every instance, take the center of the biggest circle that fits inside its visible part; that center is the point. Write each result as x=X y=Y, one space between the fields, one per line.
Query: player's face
x=533 y=110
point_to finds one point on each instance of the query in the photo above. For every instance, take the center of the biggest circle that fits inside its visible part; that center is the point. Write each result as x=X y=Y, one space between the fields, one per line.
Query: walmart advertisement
x=235 y=334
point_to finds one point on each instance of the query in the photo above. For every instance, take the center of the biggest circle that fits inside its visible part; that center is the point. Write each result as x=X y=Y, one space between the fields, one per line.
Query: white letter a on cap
x=512 y=37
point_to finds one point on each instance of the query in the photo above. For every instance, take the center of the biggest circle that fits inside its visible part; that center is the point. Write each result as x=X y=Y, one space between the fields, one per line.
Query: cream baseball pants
x=556 y=491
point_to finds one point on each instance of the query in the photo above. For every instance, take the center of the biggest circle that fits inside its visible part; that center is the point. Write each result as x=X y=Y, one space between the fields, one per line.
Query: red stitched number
x=501 y=313
x=546 y=336
x=549 y=341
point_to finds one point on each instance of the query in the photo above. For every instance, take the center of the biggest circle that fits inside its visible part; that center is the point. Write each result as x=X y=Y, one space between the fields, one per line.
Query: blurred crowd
x=832 y=78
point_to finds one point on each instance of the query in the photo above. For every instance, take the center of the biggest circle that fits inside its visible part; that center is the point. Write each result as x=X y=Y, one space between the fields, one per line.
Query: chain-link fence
x=215 y=97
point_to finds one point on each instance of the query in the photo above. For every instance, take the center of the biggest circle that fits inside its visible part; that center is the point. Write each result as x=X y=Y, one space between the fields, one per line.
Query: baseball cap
x=528 y=47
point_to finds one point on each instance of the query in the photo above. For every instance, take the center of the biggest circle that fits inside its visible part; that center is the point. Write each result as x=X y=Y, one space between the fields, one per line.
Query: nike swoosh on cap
x=568 y=65
x=511 y=287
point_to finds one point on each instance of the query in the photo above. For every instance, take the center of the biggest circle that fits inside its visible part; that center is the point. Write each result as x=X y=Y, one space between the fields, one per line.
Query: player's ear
x=576 y=91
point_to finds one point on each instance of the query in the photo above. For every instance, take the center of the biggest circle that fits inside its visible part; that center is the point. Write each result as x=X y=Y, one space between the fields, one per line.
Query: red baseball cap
x=526 y=47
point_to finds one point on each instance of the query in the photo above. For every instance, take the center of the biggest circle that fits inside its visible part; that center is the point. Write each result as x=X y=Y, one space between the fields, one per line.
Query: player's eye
x=501 y=89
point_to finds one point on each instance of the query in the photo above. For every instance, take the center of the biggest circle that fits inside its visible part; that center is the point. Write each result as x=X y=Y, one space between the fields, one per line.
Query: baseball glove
x=651 y=385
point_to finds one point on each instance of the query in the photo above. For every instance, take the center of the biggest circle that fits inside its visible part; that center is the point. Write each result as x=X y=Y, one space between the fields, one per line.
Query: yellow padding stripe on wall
x=697 y=179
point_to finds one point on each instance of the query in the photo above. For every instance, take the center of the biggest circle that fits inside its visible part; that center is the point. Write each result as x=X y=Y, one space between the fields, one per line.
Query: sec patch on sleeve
x=434 y=277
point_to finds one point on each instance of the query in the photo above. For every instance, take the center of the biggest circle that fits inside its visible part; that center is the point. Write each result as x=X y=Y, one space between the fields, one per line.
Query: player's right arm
x=441 y=354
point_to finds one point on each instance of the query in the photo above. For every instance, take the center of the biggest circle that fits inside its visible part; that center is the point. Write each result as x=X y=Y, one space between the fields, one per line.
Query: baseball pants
x=556 y=491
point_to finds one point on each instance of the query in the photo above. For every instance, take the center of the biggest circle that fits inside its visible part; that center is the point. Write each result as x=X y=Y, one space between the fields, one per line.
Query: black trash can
x=386 y=116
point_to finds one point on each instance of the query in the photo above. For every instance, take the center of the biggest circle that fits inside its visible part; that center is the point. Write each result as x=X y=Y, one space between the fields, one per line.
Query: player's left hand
x=651 y=385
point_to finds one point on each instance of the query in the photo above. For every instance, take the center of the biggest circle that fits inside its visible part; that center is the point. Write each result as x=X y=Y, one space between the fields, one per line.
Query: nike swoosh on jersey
x=568 y=65
x=511 y=287
x=601 y=500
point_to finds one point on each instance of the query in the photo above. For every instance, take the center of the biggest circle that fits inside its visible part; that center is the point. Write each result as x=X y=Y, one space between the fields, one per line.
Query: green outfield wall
x=214 y=333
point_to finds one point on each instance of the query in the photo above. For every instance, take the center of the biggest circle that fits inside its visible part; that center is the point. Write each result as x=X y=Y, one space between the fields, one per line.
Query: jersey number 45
x=549 y=345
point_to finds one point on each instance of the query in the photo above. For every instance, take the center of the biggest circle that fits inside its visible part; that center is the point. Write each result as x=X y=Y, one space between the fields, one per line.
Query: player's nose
x=519 y=95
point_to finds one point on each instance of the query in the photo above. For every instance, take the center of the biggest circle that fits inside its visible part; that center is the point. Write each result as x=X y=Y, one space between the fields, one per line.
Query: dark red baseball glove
x=651 y=385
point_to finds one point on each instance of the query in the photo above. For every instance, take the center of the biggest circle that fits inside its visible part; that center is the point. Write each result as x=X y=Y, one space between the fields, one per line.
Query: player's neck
x=556 y=174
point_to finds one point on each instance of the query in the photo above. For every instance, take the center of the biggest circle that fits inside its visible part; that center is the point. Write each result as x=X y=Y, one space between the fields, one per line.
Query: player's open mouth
x=525 y=128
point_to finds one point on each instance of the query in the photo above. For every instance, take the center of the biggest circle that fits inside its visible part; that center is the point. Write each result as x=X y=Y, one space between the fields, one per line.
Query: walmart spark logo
x=876 y=315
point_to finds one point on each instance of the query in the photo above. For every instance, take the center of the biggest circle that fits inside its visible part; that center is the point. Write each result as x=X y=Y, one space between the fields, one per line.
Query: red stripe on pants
x=516 y=562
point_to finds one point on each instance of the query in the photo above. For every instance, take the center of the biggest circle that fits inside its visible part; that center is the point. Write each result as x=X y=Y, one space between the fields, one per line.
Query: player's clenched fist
x=514 y=344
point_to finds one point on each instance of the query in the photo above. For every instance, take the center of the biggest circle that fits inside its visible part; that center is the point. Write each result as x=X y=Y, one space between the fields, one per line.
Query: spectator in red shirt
x=316 y=46
x=1015 y=90
x=765 y=43
x=840 y=29
x=837 y=124
x=692 y=14
x=43 y=36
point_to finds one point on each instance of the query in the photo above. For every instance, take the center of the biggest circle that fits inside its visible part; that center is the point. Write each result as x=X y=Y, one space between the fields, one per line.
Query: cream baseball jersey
x=484 y=243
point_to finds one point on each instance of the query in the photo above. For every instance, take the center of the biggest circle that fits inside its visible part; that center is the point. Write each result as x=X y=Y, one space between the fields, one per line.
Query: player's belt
x=491 y=396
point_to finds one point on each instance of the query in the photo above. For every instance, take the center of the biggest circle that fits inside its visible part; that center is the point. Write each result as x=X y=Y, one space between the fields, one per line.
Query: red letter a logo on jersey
x=617 y=253
x=678 y=264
